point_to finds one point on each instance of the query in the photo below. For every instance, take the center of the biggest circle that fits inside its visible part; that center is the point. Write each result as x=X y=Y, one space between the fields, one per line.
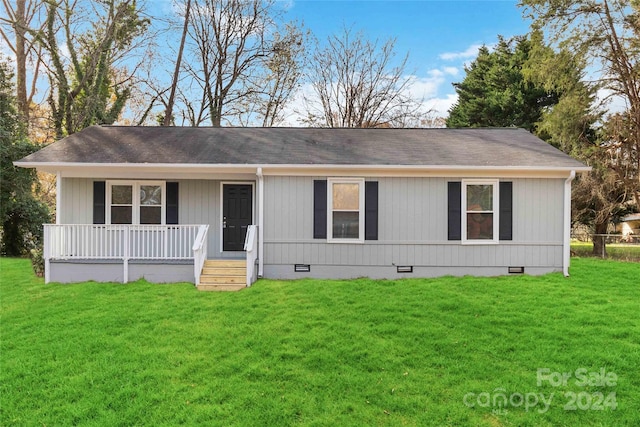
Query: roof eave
x=95 y=169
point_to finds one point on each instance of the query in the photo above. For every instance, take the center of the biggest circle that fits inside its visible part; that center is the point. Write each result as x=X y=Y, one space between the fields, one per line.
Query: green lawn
x=322 y=353
x=619 y=251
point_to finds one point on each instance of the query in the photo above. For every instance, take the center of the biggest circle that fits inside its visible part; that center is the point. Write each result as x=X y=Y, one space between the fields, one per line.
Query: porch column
x=58 y=195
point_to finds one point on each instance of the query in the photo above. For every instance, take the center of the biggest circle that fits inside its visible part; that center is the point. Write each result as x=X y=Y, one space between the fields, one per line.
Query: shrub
x=36 y=253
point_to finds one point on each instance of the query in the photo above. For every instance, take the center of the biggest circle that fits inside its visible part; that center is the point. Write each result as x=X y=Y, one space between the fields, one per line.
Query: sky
x=439 y=36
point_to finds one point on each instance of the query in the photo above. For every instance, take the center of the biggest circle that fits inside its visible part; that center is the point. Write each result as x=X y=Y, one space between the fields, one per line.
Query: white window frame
x=135 y=215
x=496 y=211
x=330 y=182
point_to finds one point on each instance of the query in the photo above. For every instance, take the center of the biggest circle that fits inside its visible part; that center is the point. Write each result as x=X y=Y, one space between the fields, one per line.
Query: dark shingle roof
x=481 y=147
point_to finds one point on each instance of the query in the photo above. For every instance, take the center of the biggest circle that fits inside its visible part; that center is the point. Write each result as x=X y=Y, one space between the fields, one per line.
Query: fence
x=613 y=246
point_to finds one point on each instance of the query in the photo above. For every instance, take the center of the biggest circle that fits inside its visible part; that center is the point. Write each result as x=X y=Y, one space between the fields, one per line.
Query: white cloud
x=440 y=106
x=470 y=52
x=452 y=71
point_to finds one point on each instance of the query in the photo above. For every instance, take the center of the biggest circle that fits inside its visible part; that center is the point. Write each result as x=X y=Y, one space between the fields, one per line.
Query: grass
x=319 y=353
x=618 y=251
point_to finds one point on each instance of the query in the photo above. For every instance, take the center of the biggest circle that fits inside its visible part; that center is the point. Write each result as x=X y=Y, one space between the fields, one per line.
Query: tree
x=607 y=34
x=495 y=91
x=284 y=68
x=358 y=84
x=230 y=43
x=84 y=90
x=20 y=212
x=168 y=114
x=19 y=19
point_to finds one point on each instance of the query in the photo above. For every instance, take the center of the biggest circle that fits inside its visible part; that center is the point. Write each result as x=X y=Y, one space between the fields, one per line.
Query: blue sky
x=440 y=36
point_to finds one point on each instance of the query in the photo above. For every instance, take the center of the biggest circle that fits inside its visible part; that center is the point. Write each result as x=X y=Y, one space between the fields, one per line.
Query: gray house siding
x=412 y=229
x=77 y=201
x=199 y=203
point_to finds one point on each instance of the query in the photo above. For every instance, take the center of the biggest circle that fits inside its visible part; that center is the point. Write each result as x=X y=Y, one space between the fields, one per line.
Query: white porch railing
x=123 y=242
x=251 y=248
x=200 y=252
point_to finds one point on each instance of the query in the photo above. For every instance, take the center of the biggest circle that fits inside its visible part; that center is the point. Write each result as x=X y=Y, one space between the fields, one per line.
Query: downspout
x=566 y=244
x=260 y=222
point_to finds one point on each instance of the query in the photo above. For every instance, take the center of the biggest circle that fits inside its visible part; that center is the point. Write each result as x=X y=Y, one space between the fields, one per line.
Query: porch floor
x=223 y=275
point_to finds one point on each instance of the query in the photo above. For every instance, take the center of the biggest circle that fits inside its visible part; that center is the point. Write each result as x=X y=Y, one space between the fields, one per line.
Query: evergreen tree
x=495 y=92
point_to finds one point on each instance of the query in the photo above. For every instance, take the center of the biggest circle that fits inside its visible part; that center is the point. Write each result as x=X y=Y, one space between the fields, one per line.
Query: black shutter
x=371 y=210
x=319 y=209
x=99 y=201
x=172 y=203
x=506 y=211
x=454 y=196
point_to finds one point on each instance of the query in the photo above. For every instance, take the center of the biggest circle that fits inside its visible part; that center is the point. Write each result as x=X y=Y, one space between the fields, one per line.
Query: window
x=139 y=202
x=121 y=204
x=346 y=209
x=480 y=211
x=150 y=204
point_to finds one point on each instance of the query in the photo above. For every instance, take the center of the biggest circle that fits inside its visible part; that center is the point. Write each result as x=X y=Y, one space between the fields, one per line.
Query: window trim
x=361 y=209
x=135 y=215
x=495 y=211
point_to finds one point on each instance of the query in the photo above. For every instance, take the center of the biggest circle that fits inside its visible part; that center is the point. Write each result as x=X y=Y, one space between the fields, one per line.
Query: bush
x=37 y=261
x=36 y=253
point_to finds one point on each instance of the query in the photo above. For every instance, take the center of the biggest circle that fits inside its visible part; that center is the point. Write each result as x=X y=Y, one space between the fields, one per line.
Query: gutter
x=260 y=222
x=566 y=244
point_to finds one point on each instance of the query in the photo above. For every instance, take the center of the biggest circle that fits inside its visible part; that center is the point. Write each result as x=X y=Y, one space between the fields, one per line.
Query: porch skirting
x=111 y=270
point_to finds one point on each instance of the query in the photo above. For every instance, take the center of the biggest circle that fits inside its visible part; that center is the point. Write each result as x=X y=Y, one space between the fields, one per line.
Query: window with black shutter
x=345 y=209
x=480 y=211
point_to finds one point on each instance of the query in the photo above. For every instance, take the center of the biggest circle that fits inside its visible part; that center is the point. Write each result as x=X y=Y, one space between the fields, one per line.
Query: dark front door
x=237 y=210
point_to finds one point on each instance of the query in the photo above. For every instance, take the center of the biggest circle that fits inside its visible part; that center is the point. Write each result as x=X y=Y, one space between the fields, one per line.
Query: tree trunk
x=168 y=115
x=21 y=61
x=599 y=240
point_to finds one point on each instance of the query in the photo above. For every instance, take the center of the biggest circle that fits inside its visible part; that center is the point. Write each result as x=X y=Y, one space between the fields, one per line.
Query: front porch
x=157 y=253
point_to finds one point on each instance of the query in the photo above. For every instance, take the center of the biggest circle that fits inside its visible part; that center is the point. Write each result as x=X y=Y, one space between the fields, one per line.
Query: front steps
x=223 y=275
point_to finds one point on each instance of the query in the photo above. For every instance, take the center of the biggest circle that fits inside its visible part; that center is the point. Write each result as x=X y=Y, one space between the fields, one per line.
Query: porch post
x=58 y=195
x=125 y=261
x=46 y=252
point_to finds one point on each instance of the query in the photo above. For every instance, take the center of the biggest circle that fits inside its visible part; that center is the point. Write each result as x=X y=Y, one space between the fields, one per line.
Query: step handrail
x=251 y=249
x=200 y=252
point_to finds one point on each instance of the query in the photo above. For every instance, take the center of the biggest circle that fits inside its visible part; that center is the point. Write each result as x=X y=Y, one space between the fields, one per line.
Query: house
x=223 y=206
x=630 y=227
